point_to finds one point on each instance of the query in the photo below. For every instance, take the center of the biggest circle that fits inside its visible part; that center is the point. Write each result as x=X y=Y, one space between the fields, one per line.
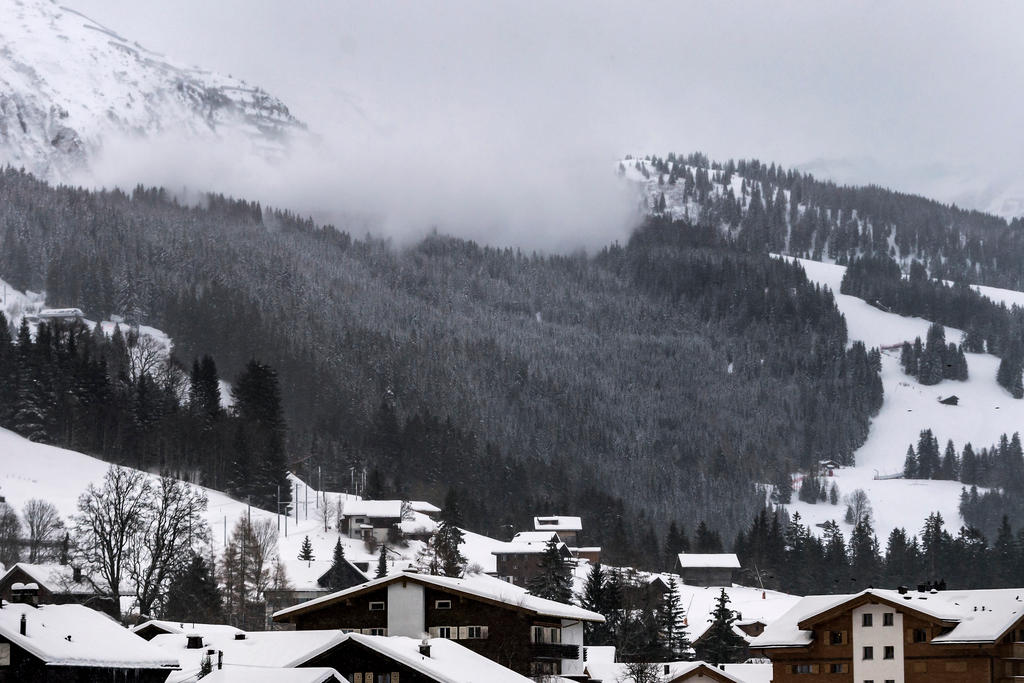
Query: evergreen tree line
x=782 y=553
x=988 y=326
x=1001 y=465
x=934 y=361
x=121 y=399
x=787 y=211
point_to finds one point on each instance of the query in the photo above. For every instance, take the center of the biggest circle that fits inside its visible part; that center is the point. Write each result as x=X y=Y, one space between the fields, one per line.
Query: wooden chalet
x=707 y=569
x=567 y=528
x=518 y=561
x=501 y=622
x=56 y=584
x=907 y=636
x=74 y=644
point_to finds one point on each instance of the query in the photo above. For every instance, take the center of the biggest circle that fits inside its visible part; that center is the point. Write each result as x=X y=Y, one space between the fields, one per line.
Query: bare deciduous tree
x=247 y=570
x=44 y=527
x=172 y=526
x=640 y=672
x=108 y=519
x=858 y=507
x=145 y=355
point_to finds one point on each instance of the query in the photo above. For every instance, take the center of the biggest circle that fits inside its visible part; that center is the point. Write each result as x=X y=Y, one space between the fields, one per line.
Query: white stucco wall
x=877 y=636
x=572 y=634
x=406 y=609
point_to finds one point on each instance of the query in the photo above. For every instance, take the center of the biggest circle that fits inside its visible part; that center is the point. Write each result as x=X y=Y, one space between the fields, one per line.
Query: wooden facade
x=20 y=666
x=832 y=655
x=527 y=643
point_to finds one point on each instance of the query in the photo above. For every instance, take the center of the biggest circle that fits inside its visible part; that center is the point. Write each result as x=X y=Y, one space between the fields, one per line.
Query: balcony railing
x=554 y=651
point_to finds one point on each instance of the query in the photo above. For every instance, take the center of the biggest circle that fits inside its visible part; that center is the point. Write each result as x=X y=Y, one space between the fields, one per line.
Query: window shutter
x=814 y=668
x=463 y=633
x=434 y=633
x=357 y=677
x=394 y=677
x=483 y=631
x=843 y=637
x=909 y=635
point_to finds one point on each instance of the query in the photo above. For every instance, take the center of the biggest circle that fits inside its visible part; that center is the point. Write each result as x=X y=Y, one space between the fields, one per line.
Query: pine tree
x=193 y=595
x=554 y=581
x=306 y=551
x=833 y=494
x=382 y=562
x=257 y=398
x=720 y=644
x=595 y=599
x=449 y=537
x=671 y=615
x=334 y=578
x=910 y=468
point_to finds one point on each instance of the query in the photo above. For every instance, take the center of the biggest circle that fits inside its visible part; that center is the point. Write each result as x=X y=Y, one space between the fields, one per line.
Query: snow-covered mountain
x=69 y=84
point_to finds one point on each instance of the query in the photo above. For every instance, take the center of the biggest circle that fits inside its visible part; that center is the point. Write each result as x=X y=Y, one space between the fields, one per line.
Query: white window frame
x=442 y=604
x=383 y=606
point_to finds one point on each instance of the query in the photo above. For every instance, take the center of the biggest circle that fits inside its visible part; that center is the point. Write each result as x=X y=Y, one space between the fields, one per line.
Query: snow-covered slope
x=69 y=84
x=985 y=411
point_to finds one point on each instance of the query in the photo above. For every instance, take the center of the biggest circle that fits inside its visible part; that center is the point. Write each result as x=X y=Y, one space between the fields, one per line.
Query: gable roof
x=253 y=674
x=709 y=561
x=449 y=662
x=481 y=587
x=74 y=635
x=390 y=509
x=976 y=616
x=273 y=649
x=186 y=627
x=557 y=523
x=56 y=578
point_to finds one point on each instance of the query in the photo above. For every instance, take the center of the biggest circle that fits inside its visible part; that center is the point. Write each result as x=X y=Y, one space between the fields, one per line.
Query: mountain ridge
x=69 y=85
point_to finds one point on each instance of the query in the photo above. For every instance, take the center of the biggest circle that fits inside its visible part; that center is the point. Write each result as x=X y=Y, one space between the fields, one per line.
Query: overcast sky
x=512 y=103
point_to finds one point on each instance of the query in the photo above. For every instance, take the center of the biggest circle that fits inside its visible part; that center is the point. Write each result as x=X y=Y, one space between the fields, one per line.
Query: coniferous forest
x=662 y=379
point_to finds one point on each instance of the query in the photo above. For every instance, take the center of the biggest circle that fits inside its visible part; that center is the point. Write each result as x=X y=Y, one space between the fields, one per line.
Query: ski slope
x=985 y=411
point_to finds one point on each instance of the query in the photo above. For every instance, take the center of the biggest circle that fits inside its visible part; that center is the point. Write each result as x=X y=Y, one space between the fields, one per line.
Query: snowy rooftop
x=535 y=537
x=557 y=523
x=74 y=635
x=274 y=649
x=448 y=662
x=709 y=561
x=601 y=665
x=977 y=616
x=373 y=508
x=479 y=586
x=252 y=674
x=205 y=630
x=57 y=578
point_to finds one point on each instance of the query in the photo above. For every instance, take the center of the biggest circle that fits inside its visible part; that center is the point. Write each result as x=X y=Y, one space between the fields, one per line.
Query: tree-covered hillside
x=657 y=380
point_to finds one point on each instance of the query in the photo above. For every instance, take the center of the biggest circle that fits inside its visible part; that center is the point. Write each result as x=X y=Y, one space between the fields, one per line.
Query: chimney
x=902 y=590
x=239 y=636
x=220 y=659
x=24 y=624
x=193 y=641
x=425 y=647
x=668 y=669
x=76 y=574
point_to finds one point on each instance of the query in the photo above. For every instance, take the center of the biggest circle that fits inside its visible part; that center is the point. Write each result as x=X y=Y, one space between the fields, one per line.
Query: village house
x=74 y=644
x=707 y=569
x=527 y=634
x=518 y=561
x=253 y=674
x=376 y=519
x=56 y=584
x=567 y=528
x=827 y=468
x=905 y=636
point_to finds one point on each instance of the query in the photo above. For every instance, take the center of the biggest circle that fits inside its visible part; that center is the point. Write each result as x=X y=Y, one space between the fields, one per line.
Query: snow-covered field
x=985 y=411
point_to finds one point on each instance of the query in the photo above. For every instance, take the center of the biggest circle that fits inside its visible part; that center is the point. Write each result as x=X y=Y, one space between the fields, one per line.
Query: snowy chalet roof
x=57 y=578
x=211 y=630
x=479 y=586
x=976 y=616
x=74 y=635
x=252 y=674
x=373 y=508
x=424 y=507
x=709 y=561
x=273 y=649
x=448 y=662
x=60 y=313
x=535 y=537
x=557 y=523
x=600 y=666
